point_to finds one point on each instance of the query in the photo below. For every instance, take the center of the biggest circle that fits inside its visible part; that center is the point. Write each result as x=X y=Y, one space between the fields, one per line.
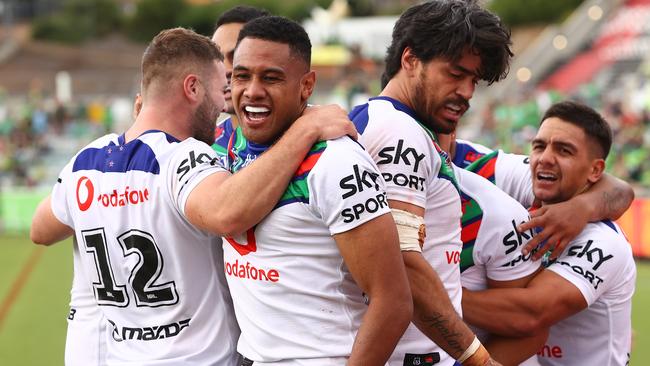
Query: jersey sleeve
x=592 y=265
x=345 y=187
x=512 y=175
x=504 y=260
x=403 y=157
x=59 y=197
x=192 y=162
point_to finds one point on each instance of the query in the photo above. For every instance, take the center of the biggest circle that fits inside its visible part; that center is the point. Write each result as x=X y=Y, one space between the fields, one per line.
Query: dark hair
x=590 y=121
x=280 y=30
x=445 y=28
x=173 y=49
x=240 y=14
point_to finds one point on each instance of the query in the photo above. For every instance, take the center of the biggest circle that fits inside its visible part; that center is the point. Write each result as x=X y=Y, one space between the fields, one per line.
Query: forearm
x=433 y=312
x=250 y=194
x=506 y=312
x=382 y=327
x=513 y=351
x=609 y=198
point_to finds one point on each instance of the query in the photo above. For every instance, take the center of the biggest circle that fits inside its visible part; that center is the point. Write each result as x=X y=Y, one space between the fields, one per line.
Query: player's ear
x=597 y=170
x=192 y=88
x=307 y=85
x=409 y=61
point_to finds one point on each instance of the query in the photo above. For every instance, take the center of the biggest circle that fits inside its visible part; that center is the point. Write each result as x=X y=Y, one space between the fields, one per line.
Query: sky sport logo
x=86 y=193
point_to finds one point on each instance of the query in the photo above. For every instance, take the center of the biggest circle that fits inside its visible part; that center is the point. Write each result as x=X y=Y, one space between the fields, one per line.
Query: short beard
x=204 y=121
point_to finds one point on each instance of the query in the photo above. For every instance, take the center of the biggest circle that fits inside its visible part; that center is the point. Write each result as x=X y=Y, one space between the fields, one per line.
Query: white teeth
x=251 y=109
x=453 y=107
x=546 y=176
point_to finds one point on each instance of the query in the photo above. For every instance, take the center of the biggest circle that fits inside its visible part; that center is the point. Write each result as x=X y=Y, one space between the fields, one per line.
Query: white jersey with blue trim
x=295 y=299
x=157 y=279
x=491 y=243
x=418 y=172
x=599 y=263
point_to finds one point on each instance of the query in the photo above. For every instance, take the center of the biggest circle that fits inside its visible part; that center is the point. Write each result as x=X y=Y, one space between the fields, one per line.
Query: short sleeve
x=345 y=187
x=403 y=157
x=59 y=198
x=593 y=265
x=513 y=177
x=192 y=162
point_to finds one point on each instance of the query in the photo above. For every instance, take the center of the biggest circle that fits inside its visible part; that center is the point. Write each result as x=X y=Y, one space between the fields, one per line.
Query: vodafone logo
x=85 y=193
x=249 y=247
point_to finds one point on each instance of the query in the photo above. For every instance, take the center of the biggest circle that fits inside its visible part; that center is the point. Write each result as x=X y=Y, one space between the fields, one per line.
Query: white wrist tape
x=469 y=352
x=411 y=230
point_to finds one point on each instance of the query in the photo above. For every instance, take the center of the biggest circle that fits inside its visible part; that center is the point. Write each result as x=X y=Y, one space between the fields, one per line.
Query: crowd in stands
x=624 y=102
x=38 y=133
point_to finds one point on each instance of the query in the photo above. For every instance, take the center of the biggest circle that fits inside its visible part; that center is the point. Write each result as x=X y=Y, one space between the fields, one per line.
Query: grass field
x=34 y=290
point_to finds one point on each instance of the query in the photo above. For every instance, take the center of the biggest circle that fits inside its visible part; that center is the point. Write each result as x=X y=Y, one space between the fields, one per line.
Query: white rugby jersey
x=510 y=172
x=491 y=243
x=85 y=343
x=418 y=172
x=295 y=299
x=599 y=263
x=156 y=278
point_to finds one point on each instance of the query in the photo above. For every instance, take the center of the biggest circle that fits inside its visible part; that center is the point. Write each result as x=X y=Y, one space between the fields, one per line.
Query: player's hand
x=492 y=362
x=327 y=122
x=481 y=358
x=559 y=223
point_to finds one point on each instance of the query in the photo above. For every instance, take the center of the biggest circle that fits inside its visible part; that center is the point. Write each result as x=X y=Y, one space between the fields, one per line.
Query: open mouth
x=546 y=177
x=256 y=113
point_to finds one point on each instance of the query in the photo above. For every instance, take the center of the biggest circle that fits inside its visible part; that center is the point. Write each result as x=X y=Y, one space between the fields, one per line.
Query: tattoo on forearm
x=441 y=324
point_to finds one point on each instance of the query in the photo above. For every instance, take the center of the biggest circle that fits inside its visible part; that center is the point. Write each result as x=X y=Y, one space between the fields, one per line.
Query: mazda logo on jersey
x=398 y=154
x=358 y=181
x=85 y=193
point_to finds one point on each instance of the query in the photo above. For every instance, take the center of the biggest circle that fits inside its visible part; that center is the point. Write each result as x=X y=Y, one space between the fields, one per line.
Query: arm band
x=469 y=352
x=410 y=228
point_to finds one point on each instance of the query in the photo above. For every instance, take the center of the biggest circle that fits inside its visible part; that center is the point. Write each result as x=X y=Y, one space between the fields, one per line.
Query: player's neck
x=398 y=90
x=160 y=119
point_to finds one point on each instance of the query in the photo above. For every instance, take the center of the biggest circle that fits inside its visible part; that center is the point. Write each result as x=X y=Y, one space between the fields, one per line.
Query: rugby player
x=609 y=198
x=225 y=36
x=491 y=256
x=439 y=51
x=586 y=294
x=144 y=208
x=301 y=278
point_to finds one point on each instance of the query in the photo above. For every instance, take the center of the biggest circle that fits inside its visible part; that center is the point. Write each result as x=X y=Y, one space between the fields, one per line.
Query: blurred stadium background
x=69 y=70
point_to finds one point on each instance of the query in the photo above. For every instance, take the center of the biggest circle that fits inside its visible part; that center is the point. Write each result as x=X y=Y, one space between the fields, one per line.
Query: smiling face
x=270 y=88
x=563 y=161
x=443 y=90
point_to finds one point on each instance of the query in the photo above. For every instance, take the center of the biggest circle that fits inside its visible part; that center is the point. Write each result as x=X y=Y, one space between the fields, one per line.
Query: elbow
x=529 y=326
x=38 y=237
x=228 y=225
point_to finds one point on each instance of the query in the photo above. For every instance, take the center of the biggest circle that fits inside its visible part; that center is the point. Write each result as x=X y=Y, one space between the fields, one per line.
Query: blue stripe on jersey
x=462 y=151
x=135 y=155
x=222 y=134
x=610 y=224
x=359 y=116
